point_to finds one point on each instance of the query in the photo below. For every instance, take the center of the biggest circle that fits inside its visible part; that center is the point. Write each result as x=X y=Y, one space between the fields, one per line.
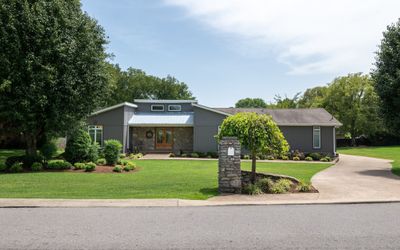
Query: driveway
x=358 y=178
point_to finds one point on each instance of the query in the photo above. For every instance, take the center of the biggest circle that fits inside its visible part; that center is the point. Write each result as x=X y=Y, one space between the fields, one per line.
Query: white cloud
x=311 y=36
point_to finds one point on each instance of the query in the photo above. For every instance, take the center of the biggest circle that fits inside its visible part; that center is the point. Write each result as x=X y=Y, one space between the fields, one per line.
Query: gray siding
x=205 y=128
x=146 y=107
x=300 y=138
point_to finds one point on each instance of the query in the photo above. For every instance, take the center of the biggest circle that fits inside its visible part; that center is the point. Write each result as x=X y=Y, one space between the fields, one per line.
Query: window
x=157 y=107
x=316 y=137
x=174 y=108
x=96 y=133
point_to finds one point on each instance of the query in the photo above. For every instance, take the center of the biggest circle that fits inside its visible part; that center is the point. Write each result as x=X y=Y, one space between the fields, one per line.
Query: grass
x=185 y=179
x=384 y=152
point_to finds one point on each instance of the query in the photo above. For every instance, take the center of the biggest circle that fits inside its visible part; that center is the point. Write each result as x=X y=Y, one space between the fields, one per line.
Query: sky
x=226 y=50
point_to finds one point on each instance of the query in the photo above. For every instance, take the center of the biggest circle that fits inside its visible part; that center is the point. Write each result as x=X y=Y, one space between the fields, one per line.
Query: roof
x=164 y=101
x=184 y=119
x=291 y=117
x=114 y=107
x=210 y=109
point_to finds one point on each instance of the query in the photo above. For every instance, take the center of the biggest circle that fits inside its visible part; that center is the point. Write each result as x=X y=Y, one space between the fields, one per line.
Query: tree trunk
x=253 y=167
x=353 y=141
x=31 y=145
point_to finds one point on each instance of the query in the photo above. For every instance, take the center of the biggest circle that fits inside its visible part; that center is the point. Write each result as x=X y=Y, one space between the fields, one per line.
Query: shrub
x=130 y=166
x=284 y=157
x=79 y=165
x=58 y=165
x=37 y=166
x=270 y=157
x=16 y=167
x=79 y=146
x=265 y=184
x=252 y=189
x=202 y=154
x=295 y=158
x=326 y=159
x=171 y=155
x=93 y=153
x=194 y=155
x=298 y=154
x=261 y=157
x=212 y=154
x=111 y=151
x=26 y=160
x=122 y=162
x=117 y=169
x=122 y=156
x=309 y=158
x=183 y=155
x=304 y=186
x=140 y=155
x=90 y=166
x=3 y=167
x=315 y=156
x=101 y=161
x=48 y=150
x=281 y=186
x=246 y=157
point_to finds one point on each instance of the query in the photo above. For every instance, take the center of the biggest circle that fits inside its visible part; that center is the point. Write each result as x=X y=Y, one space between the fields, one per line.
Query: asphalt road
x=367 y=226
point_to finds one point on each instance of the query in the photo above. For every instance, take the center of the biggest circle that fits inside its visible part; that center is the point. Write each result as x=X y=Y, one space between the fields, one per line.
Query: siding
x=205 y=128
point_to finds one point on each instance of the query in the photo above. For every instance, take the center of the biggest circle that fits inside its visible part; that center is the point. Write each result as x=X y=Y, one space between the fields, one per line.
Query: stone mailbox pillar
x=229 y=173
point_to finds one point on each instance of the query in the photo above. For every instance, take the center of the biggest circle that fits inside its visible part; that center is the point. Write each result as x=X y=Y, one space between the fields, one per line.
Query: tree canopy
x=256 y=133
x=52 y=59
x=387 y=76
x=125 y=86
x=251 y=103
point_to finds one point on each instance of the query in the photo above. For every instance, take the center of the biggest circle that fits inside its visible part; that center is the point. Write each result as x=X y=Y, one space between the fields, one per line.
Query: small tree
x=112 y=149
x=257 y=133
x=48 y=150
x=79 y=146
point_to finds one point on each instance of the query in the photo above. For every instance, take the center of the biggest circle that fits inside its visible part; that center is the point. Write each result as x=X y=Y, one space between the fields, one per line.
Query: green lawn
x=388 y=152
x=188 y=179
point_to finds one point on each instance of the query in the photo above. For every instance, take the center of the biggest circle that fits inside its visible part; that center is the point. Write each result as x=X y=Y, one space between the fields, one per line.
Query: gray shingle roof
x=294 y=117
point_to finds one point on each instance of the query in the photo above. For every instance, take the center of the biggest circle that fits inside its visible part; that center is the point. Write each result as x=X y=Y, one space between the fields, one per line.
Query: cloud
x=310 y=36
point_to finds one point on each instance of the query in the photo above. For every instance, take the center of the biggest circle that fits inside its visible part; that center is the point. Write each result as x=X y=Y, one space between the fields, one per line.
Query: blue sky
x=231 y=49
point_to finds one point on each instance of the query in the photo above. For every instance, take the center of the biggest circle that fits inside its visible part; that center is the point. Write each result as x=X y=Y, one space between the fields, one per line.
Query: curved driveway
x=358 y=178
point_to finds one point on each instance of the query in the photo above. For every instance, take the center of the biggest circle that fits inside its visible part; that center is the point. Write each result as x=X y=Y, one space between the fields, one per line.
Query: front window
x=174 y=108
x=317 y=137
x=96 y=133
x=157 y=107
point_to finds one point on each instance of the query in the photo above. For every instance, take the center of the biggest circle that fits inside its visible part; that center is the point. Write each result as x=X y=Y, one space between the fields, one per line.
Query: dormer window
x=174 y=107
x=157 y=107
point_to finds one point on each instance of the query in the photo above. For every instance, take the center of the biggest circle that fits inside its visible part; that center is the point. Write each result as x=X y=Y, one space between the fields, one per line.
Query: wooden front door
x=164 y=138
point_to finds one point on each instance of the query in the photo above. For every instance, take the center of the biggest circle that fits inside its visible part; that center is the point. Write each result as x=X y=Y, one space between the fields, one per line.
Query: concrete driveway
x=358 y=178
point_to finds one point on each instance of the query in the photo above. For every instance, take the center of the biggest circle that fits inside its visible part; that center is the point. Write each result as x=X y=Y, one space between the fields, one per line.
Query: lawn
x=388 y=152
x=186 y=179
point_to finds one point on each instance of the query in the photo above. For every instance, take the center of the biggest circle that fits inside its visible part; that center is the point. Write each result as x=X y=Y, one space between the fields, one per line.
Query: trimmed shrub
x=79 y=165
x=212 y=154
x=122 y=156
x=270 y=157
x=59 y=165
x=171 y=155
x=79 y=146
x=295 y=158
x=101 y=161
x=284 y=157
x=325 y=159
x=281 y=186
x=304 y=186
x=37 y=166
x=183 y=155
x=26 y=160
x=265 y=184
x=194 y=155
x=117 y=169
x=252 y=189
x=130 y=166
x=90 y=166
x=93 y=153
x=246 y=157
x=112 y=149
x=308 y=158
x=16 y=168
x=122 y=162
x=3 y=167
x=48 y=150
x=315 y=156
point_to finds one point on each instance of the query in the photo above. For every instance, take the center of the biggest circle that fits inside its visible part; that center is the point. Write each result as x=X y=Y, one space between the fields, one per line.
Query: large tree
x=251 y=103
x=313 y=97
x=125 y=86
x=353 y=101
x=52 y=58
x=256 y=133
x=387 y=76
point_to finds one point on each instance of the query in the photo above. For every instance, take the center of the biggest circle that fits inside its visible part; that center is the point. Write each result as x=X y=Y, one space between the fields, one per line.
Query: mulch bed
x=104 y=169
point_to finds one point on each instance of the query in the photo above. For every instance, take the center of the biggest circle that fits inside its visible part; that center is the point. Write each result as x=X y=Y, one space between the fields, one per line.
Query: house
x=186 y=126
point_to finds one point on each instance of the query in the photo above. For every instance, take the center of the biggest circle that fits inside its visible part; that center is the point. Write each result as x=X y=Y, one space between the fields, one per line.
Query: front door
x=164 y=138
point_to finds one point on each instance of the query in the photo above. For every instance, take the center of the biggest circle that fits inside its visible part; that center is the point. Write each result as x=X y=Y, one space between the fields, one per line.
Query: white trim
x=161 y=125
x=158 y=105
x=334 y=141
x=177 y=105
x=114 y=107
x=164 y=101
x=210 y=109
x=319 y=137
x=306 y=124
x=95 y=128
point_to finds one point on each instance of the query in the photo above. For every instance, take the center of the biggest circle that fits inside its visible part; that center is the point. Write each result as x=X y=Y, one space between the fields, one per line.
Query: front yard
x=387 y=152
x=186 y=179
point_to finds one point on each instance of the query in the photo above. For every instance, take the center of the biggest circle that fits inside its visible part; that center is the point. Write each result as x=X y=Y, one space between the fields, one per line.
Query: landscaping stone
x=229 y=173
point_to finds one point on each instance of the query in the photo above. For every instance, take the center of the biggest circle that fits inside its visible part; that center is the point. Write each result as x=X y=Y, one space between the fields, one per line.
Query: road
x=364 y=226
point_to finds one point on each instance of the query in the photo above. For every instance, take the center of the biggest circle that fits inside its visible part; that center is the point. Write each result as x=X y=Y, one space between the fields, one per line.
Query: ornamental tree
x=256 y=133
x=52 y=59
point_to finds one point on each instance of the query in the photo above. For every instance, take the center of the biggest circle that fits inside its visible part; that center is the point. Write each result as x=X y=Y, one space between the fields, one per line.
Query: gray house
x=186 y=126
